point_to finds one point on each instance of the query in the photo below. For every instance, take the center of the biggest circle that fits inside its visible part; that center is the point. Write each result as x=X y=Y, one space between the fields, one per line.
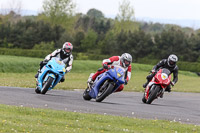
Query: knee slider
x=100 y=69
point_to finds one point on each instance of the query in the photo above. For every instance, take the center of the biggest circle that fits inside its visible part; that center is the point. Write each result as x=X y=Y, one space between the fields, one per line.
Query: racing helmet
x=126 y=59
x=172 y=59
x=67 y=48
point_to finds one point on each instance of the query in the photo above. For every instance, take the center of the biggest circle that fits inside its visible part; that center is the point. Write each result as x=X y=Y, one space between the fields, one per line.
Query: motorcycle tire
x=105 y=93
x=37 y=90
x=86 y=95
x=47 y=85
x=144 y=99
x=152 y=94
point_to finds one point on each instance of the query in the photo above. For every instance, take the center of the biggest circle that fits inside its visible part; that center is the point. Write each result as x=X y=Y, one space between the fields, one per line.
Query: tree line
x=95 y=34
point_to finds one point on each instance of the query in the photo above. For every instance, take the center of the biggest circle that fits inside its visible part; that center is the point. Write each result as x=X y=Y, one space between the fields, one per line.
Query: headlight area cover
x=164 y=76
x=119 y=75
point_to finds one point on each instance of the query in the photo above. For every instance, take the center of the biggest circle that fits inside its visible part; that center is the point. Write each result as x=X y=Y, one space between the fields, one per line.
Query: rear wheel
x=47 y=85
x=104 y=92
x=153 y=93
x=86 y=95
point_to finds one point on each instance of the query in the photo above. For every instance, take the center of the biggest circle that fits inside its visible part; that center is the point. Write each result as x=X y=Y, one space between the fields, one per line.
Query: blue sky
x=165 y=11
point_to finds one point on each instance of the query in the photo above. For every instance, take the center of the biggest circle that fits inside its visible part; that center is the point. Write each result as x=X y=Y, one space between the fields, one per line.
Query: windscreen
x=164 y=70
x=60 y=62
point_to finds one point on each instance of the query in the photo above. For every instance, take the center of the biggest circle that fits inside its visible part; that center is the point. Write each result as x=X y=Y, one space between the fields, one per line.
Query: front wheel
x=47 y=85
x=144 y=99
x=37 y=90
x=86 y=95
x=105 y=92
x=153 y=93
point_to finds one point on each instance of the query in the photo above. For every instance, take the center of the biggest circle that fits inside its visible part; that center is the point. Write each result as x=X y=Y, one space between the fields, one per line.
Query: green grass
x=23 y=119
x=20 y=71
x=16 y=64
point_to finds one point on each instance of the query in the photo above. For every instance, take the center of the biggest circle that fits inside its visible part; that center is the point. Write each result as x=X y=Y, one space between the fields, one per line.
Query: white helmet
x=67 y=48
x=172 y=59
x=126 y=59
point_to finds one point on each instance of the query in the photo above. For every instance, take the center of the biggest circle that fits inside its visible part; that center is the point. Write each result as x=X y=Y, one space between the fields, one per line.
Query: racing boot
x=90 y=81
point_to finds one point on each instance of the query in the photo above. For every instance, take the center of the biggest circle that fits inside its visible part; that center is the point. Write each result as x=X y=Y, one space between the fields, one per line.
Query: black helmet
x=172 y=59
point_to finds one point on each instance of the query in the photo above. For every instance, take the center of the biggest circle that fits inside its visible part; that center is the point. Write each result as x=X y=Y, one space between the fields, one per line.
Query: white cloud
x=156 y=9
x=108 y=7
x=168 y=9
x=35 y=5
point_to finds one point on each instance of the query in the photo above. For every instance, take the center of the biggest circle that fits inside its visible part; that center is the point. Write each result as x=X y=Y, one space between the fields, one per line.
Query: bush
x=189 y=66
x=147 y=61
x=81 y=56
x=24 y=52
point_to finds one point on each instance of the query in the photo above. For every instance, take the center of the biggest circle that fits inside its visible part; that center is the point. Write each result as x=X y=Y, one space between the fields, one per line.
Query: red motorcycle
x=157 y=86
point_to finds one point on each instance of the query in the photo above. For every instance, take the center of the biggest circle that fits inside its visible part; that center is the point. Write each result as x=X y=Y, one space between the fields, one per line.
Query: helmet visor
x=172 y=63
x=127 y=63
x=67 y=50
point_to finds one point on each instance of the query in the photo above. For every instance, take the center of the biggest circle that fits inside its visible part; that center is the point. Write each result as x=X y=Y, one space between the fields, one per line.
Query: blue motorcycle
x=50 y=75
x=105 y=84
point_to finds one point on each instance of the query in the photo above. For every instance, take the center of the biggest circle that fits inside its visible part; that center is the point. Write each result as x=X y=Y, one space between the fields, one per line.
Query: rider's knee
x=149 y=77
x=120 y=88
x=100 y=69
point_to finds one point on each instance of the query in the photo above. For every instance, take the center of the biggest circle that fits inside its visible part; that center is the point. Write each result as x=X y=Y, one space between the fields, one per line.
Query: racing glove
x=153 y=71
x=105 y=66
x=172 y=83
x=126 y=81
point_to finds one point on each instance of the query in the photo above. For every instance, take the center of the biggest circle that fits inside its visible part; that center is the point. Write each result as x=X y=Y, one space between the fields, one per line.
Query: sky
x=183 y=12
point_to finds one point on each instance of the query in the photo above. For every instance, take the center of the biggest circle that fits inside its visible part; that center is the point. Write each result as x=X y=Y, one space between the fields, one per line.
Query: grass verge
x=23 y=119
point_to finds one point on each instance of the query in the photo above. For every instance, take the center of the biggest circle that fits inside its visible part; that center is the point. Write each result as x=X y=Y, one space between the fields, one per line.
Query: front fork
x=146 y=93
x=161 y=92
x=46 y=77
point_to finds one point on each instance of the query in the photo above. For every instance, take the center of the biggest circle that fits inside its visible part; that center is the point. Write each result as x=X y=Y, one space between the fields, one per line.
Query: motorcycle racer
x=124 y=61
x=65 y=54
x=170 y=64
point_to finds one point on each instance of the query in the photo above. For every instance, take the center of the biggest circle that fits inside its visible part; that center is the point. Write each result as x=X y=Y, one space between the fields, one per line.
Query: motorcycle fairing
x=112 y=75
x=52 y=69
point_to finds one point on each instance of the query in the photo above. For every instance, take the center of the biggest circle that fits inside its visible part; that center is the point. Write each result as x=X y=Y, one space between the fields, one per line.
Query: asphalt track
x=174 y=106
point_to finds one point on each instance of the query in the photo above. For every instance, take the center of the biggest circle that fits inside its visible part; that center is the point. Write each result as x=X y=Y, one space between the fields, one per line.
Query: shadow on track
x=165 y=105
x=106 y=103
x=56 y=95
